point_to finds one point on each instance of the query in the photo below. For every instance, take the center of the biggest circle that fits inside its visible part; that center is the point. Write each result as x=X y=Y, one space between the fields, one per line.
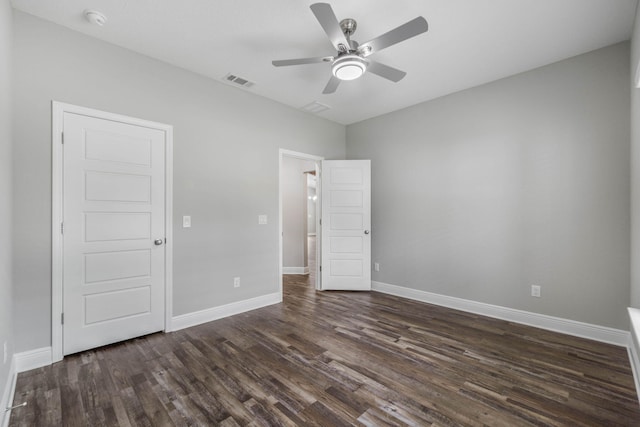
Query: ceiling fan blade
x=327 y=19
x=403 y=32
x=332 y=85
x=385 y=71
x=301 y=61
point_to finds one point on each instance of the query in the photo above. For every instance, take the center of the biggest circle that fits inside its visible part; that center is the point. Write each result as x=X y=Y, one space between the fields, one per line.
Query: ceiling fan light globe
x=349 y=67
x=349 y=71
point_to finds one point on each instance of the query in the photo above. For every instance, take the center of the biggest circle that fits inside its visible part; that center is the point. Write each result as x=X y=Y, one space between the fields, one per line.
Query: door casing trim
x=58 y=109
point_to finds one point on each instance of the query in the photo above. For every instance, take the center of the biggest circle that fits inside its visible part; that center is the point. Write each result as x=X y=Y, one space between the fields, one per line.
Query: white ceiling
x=469 y=42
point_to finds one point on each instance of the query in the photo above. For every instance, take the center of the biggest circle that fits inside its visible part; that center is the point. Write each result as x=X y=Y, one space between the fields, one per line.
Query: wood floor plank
x=333 y=359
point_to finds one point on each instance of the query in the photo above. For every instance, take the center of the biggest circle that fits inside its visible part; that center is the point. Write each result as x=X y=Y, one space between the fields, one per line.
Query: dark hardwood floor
x=338 y=358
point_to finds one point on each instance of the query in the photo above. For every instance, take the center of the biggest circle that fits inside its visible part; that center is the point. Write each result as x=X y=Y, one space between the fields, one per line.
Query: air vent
x=232 y=78
x=315 y=107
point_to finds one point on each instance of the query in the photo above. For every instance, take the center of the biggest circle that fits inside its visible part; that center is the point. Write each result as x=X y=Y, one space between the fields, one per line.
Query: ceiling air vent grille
x=315 y=107
x=232 y=78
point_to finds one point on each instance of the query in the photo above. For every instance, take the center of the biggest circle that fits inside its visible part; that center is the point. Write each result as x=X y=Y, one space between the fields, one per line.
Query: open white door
x=346 y=224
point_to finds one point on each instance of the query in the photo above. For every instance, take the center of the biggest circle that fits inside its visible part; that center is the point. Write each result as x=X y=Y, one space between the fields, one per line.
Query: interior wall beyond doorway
x=294 y=215
x=312 y=199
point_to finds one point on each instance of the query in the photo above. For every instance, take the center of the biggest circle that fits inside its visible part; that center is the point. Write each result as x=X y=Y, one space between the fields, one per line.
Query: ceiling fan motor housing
x=348 y=26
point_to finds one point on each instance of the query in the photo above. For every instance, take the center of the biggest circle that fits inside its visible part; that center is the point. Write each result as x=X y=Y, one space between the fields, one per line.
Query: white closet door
x=113 y=237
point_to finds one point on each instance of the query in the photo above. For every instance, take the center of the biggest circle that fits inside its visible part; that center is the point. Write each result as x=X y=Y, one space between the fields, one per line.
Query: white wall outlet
x=535 y=291
x=6 y=353
x=376 y=266
x=186 y=221
x=262 y=219
x=236 y=282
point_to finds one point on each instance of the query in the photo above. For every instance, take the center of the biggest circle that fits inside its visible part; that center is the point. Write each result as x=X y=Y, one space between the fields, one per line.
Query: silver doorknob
x=158 y=242
x=366 y=231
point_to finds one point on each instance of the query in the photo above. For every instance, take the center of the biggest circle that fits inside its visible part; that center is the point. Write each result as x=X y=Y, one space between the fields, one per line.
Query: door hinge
x=320 y=221
x=62 y=227
x=62 y=138
x=320 y=268
x=62 y=318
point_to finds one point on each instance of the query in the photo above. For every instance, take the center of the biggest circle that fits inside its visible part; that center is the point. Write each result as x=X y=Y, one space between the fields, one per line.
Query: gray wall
x=523 y=181
x=5 y=193
x=635 y=167
x=294 y=211
x=226 y=160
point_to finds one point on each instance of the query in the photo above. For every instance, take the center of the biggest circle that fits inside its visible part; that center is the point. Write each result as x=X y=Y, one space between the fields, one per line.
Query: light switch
x=262 y=219
x=186 y=221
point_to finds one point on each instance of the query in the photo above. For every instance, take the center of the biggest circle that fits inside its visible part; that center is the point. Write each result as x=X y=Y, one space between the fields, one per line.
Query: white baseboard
x=203 y=316
x=542 y=321
x=295 y=270
x=634 y=347
x=33 y=359
x=21 y=362
x=7 y=395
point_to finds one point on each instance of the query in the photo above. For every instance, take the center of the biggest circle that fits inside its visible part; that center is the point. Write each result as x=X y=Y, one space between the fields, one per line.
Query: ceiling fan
x=352 y=61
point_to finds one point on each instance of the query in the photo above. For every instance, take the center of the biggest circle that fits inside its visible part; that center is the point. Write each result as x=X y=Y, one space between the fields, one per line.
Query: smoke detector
x=95 y=17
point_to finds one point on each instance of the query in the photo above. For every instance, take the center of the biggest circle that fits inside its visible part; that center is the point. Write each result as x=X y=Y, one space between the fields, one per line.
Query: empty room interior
x=297 y=213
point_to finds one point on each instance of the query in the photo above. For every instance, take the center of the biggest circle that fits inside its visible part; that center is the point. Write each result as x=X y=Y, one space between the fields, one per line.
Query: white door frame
x=58 y=110
x=302 y=156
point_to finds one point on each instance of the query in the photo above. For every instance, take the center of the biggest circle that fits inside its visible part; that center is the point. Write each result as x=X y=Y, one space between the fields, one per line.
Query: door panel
x=113 y=204
x=117 y=304
x=354 y=221
x=103 y=226
x=117 y=187
x=353 y=245
x=346 y=221
x=111 y=147
x=120 y=265
x=341 y=199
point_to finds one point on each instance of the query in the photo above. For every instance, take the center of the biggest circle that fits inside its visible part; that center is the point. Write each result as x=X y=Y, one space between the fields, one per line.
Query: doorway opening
x=299 y=219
